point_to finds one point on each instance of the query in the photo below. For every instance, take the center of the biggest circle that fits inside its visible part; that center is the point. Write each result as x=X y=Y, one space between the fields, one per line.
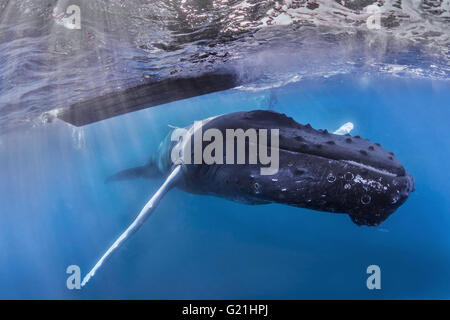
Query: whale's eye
x=257 y=188
x=395 y=199
x=365 y=199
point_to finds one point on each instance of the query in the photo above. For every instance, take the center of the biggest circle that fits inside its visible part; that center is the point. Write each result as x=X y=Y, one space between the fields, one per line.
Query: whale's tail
x=148 y=171
x=138 y=222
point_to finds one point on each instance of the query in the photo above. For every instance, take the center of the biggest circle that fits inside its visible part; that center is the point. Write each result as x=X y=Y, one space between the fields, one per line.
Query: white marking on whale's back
x=344 y=129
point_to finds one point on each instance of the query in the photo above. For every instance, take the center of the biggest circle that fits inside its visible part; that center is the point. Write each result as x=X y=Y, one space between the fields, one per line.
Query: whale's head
x=317 y=170
x=336 y=173
x=368 y=193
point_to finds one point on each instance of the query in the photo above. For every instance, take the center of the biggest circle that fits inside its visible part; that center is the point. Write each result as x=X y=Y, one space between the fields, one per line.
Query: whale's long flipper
x=138 y=222
x=146 y=95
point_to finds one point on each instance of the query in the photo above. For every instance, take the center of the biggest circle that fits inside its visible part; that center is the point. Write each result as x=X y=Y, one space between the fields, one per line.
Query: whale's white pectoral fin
x=344 y=129
x=138 y=222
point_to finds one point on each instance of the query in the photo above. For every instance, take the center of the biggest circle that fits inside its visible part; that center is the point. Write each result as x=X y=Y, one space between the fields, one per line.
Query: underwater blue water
x=56 y=210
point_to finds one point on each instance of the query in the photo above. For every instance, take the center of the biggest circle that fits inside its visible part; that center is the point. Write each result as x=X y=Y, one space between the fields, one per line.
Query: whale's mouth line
x=347 y=161
x=370 y=168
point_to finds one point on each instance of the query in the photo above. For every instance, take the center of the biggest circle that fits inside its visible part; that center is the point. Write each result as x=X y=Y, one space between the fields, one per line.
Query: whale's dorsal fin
x=344 y=129
x=138 y=222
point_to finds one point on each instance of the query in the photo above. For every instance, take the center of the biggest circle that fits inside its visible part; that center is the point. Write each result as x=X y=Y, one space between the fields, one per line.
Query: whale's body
x=318 y=170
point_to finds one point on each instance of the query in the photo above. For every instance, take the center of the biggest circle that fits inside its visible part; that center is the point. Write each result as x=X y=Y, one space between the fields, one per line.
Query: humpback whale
x=317 y=170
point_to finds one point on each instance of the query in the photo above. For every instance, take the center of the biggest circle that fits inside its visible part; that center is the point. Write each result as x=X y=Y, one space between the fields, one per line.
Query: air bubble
x=331 y=178
x=347 y=186
x=349 y=176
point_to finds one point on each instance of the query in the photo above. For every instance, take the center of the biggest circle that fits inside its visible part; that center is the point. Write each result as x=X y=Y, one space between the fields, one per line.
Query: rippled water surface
x=44 y=66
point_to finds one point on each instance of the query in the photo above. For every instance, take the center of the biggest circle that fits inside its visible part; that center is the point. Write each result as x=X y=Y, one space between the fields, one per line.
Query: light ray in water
x=137 y=223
